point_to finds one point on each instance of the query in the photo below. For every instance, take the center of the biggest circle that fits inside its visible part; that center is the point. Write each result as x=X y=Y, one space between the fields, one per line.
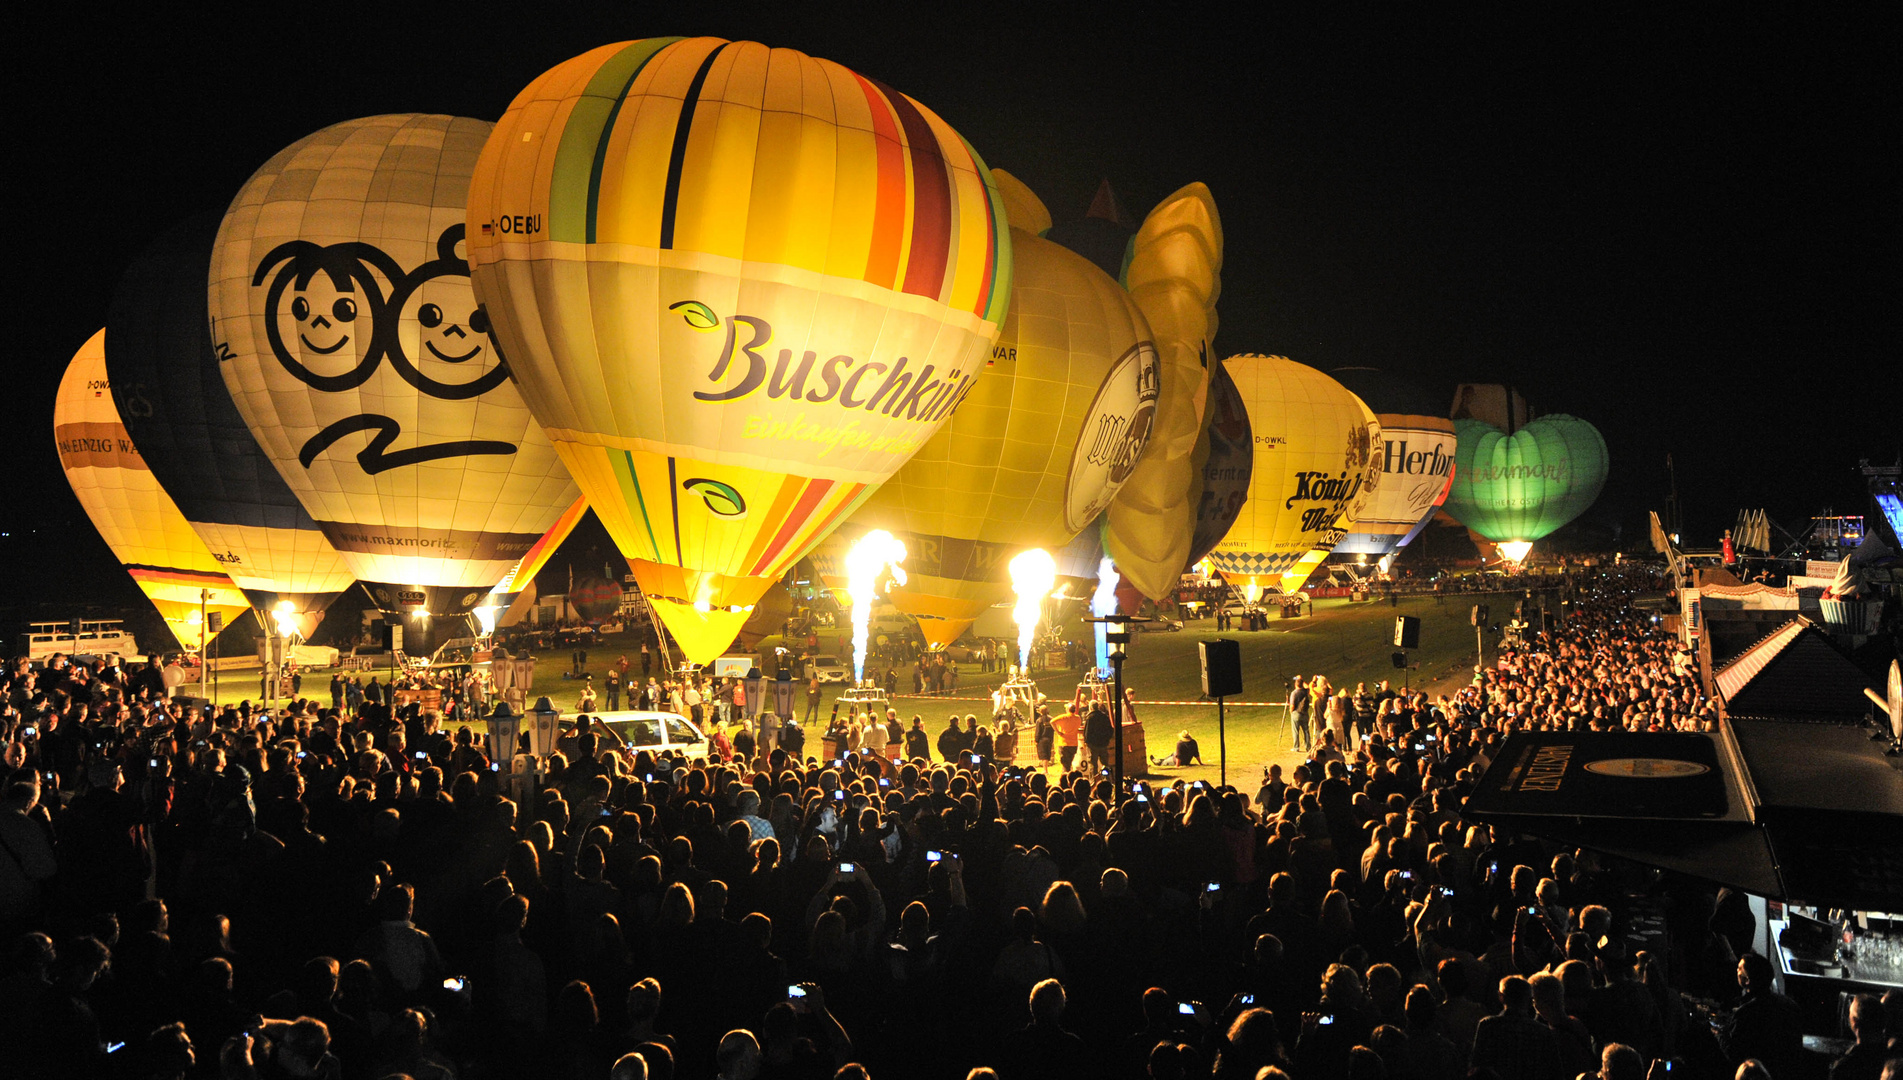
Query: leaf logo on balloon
x=698 y=315
x=339 y=293
x=721 y=499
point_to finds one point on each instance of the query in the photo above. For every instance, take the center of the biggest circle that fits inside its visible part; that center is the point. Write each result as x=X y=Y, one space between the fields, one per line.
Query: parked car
x=636 y=730
x=830 y=670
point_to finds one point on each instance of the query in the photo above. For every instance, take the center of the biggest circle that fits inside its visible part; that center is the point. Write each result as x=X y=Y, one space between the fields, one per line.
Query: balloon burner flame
x=1033 y=576
x=285 y=616
x=1104 y=602
x=875 y=553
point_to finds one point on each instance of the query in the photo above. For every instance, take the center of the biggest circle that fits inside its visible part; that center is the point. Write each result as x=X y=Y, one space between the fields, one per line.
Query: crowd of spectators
x=321 y=893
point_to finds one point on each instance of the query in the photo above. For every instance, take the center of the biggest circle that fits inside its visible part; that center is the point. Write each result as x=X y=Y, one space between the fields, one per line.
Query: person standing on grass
x=1298 y=703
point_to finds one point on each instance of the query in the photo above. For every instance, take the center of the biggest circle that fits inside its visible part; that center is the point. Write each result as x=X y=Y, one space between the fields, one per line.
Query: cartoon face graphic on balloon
x=440 y=340
x=322 y=313
x=335 y=313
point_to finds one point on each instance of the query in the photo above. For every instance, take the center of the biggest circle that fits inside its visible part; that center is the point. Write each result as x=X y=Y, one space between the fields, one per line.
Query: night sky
x=1680 y=225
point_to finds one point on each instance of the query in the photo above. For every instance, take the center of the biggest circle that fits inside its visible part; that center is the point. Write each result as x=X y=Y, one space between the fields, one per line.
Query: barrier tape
x=1139 y=701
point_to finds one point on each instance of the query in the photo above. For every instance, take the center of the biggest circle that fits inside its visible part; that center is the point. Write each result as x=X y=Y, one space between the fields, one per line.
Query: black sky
x=1680 y=224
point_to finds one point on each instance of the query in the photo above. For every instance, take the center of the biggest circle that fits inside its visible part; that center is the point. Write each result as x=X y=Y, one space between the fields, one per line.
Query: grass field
x=1348 y=642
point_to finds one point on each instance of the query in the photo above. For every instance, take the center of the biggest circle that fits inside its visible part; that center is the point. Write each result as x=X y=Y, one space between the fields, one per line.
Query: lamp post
x=204 y=598
x=1117 y=636
x=505 y=734
x=544 y=732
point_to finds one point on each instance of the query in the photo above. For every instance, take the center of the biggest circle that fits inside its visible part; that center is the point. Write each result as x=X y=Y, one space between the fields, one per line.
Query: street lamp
x=544 y=732
x=505 y=734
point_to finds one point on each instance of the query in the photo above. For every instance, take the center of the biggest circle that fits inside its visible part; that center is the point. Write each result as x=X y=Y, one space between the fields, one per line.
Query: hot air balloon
x=169 y=392
x=349 y=338
x=1174 y=276
x=595 y=599
x=1224 y=461
x=1033 y=455
x=133 y=514
x=1317 y=463
x=1518 y=488
x=1417 y=462
x=739 y=286
x=1492 y=403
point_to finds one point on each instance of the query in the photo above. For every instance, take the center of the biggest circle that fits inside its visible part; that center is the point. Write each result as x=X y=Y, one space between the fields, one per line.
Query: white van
x=637 y=730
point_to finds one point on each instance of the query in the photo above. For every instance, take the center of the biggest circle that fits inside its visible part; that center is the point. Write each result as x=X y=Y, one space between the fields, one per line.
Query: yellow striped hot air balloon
x=1031 y=457
x=136 y=518
x=739 y=287
x=1317 y=464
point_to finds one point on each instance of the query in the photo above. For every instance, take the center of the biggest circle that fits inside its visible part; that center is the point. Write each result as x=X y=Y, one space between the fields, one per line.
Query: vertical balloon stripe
x=714 y=212
x=992 y=301
x=630 y=480
x=586 y=137
x=677 y=159
x=888 y=222
x=971 y=232
x=674 y=509
x=783 y=502
x=931 y=200
x=849 y=499
x=809 y=499
x=854 y=199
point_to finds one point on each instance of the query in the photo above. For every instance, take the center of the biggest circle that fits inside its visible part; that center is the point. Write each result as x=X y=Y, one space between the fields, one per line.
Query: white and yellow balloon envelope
x=134 y=515
x=739 y=286
x=352 y=344
x=1032 y=456
x=1317 y=465
x=1417 y=462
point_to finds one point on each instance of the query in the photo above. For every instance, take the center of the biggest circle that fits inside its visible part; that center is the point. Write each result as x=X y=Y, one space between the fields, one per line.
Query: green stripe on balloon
x=584 y=141
x=631 y=489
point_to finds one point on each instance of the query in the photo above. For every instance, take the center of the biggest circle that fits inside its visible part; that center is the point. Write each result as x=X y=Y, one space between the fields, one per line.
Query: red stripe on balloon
x=888 y=216
x=931 y=200
x=846 y=505
x=814 y=494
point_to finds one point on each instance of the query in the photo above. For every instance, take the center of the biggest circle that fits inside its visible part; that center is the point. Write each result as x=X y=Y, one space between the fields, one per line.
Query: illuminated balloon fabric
x=1316 y=466
x=352 y=345
x=739 y=287
x=1036 y=451
x=1417 y=458
x=1175 y=278
x=1296 y=576
x=1022 y=208
x=1525 y=485
x=169 y=392
x=1417 y=455
x=1225 y=458
x=525 y=569
x=133 y=514
x=767 y=619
